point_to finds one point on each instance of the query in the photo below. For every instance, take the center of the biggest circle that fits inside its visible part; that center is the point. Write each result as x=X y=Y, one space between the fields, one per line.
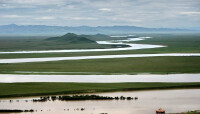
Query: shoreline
x=92 y=73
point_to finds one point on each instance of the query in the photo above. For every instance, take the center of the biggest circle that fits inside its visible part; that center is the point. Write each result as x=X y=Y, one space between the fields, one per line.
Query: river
x=100 y=78
x=149 y=101
x=45 y=59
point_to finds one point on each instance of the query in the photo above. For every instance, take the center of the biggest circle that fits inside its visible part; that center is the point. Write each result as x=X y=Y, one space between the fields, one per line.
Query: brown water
x=149 y=101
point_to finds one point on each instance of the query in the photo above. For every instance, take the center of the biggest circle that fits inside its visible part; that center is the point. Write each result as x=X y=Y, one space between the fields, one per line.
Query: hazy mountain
x=71 y=38
x=59 y=30
x=195 y=28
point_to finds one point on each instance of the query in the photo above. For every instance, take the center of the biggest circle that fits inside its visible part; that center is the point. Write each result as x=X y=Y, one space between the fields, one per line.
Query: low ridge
x=72 y=38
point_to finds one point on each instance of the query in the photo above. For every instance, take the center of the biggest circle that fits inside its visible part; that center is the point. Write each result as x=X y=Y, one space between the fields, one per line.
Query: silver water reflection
x=101 y=78
x=45 y=59
x=148 y=102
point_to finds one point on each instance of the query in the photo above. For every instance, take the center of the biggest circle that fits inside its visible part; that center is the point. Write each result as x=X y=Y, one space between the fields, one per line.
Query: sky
x=143 y=13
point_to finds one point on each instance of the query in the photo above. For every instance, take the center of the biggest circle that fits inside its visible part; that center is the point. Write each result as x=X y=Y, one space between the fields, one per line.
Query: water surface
x=45 y=59
x=101 y=78
x=149 y=101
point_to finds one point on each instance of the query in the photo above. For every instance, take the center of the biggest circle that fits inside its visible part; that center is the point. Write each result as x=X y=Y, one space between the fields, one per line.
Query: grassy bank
x=35 y=89
x=158 y=65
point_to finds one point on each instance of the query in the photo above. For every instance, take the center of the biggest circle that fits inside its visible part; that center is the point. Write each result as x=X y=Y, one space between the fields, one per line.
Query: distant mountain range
x=13 y=29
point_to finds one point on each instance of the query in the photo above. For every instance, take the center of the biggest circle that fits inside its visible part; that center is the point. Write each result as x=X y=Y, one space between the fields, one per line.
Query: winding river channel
x=113 y=42
x=132 y=46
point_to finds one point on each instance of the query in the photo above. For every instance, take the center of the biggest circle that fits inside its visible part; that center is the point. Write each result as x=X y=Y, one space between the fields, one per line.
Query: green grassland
x=67 y=41
x=35 y=89
x=176 y=43
x=41 y=44
x=193 y=112
x=157 y=65
x=183 y=43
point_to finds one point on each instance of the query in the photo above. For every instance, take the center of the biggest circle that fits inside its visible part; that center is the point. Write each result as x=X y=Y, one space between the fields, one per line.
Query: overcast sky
x=145 y=13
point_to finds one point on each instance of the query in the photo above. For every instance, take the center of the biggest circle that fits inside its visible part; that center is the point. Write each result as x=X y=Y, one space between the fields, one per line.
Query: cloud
x=105 y=9
x=84 y=18
x=147 y=13
x=34 y=2
x=13 y=16
x=45 y=18
x=123 y=19
x=190 y=13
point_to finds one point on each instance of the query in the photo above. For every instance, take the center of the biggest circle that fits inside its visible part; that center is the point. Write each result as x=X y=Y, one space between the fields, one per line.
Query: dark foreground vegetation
x=37 y=89
x=81 y=97
x=14 y=111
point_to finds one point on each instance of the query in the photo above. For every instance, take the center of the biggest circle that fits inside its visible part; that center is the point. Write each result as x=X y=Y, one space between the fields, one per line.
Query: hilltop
x=72 y=38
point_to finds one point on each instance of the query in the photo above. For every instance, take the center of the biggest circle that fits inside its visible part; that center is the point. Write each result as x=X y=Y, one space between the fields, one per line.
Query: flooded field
x=148 y=101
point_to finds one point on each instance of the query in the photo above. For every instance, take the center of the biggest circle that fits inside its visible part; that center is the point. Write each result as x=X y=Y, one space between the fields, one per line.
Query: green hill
x=98 y=37
x=72 y=38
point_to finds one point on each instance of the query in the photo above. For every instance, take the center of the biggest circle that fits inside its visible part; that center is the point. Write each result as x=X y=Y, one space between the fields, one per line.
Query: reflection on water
x=101 y=78
x=148 y=102
x=45 y=59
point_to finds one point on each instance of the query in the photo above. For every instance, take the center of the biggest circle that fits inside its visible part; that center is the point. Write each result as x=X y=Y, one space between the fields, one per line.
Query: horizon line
x=98 y=26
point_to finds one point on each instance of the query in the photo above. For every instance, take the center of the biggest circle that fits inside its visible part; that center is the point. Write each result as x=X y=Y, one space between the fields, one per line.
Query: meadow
x=176 y=43
x=156 y=65
x=39 y=43
x=36 y=89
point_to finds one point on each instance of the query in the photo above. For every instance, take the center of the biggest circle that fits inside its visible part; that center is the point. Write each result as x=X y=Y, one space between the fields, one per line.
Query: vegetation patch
x=71 y=38
x=38 y=89
x=81 y=97
x=156 y=65
x=14 y=111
